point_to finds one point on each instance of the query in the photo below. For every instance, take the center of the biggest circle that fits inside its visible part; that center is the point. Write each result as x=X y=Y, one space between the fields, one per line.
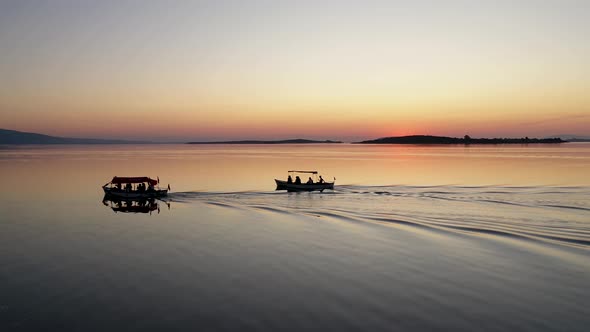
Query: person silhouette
x=289 y=179
x=297 y=180
x=321 y=180
x=310 y=181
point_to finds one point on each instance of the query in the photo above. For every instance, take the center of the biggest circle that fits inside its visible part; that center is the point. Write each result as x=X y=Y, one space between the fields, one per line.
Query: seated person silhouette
x=289 y=179
x=321 y=180
x=310 y=181
x=297 y=180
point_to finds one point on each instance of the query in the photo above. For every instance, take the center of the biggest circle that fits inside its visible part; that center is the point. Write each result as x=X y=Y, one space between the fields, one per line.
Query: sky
x=214 y=70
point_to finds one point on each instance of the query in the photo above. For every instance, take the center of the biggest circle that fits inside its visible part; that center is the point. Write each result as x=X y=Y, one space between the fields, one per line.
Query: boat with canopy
x=134 y=187
x=316 y=183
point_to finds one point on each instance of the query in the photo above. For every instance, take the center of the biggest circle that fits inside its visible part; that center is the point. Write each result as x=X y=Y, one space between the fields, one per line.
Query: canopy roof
x=140 y=179
x=311 y=172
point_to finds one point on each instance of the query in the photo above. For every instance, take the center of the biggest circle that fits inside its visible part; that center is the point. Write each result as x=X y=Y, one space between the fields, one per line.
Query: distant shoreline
x=287 y=141
x=13 y=137
x=442 y=140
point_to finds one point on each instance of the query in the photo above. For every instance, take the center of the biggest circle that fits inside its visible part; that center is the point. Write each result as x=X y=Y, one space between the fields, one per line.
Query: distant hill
x=573 y=138
x=19 y=137
x=287 y=141
x=426 y=139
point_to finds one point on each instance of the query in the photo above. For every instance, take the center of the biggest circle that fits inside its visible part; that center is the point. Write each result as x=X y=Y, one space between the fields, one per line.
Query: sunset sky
x=209 y=70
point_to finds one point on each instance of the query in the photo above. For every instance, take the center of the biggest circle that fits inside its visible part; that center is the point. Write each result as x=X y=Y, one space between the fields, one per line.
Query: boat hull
x=284 y=185
x=134 y=194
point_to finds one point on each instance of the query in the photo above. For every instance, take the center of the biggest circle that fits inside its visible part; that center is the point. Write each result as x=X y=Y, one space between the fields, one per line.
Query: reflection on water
x=145 y=205
x=411 y=239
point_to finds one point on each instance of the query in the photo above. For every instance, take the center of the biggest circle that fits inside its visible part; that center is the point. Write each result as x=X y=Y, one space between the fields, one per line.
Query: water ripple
x=549 y=214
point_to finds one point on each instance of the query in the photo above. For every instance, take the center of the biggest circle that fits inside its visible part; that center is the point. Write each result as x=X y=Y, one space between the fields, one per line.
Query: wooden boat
x=122 y=187
x=316 y=185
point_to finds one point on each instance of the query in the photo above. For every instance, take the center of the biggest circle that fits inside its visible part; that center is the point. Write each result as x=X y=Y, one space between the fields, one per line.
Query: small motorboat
x=134 y=187
x=313 y=185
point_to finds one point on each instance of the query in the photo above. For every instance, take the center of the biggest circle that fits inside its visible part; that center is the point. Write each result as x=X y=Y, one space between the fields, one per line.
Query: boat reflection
x=142 y=205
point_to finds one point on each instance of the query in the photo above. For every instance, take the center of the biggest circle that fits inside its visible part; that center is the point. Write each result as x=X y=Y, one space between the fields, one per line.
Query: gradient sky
x=206 y=70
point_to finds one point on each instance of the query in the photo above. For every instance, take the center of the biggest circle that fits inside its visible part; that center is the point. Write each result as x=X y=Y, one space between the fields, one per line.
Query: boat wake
x=559 y=215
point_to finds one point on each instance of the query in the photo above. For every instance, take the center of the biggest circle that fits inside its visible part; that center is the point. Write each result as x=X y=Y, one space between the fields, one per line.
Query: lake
x=464 y=238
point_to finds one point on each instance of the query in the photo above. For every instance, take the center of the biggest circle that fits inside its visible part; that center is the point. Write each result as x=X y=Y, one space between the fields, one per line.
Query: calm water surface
x=491 y=238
